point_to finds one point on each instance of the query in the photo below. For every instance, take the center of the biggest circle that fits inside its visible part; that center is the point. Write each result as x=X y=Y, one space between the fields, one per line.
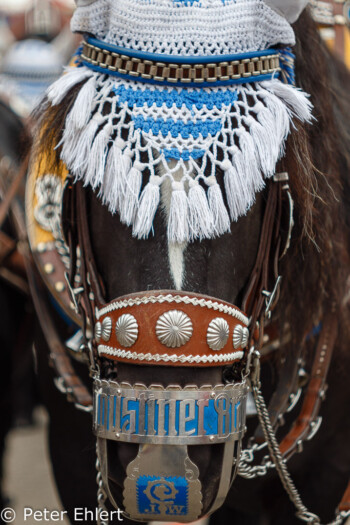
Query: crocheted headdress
x=182 y=94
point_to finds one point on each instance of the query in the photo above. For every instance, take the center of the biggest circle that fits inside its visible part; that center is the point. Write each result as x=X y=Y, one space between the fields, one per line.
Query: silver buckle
x=270 y=297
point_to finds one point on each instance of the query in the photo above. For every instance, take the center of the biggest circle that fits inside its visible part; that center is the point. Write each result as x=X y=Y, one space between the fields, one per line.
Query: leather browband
x=171 y=328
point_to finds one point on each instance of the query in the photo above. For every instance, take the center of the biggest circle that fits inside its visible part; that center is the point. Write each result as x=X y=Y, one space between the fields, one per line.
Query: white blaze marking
x=176 y=251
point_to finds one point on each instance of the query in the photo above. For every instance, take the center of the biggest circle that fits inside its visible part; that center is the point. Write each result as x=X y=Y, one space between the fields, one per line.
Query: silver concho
x=106 y=329
x=174 y=328
x=240 y=336
x=127 y=330
x=98 y=331
x=217 y=334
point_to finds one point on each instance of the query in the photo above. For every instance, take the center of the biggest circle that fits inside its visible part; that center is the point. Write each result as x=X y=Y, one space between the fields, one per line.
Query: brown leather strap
x=171 y=328
x=7 y=246
x=77 y=392
x=303 y=427
x=11 y=192
x=60 y=360
x=338 y=10
x=345 y=502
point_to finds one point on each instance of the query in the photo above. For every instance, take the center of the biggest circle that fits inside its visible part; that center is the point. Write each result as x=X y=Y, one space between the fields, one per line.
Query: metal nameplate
x=171 y=416
x=162 y=484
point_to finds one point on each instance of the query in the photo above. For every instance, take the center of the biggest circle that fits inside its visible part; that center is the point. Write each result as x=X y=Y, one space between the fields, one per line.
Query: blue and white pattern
x=213 y=147
x=121 y=136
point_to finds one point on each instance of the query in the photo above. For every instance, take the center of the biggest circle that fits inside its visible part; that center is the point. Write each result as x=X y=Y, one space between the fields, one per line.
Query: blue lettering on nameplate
x=162 y=495
x=160 y=417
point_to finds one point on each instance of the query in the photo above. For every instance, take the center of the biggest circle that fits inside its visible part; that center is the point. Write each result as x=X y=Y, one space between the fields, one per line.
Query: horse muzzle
x=169 y=424
x=162 y=482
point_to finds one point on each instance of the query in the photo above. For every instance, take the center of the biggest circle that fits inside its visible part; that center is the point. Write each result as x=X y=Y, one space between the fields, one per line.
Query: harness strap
x=58 y=354
x=12 y=191
x=306 y=423
x=71 y=383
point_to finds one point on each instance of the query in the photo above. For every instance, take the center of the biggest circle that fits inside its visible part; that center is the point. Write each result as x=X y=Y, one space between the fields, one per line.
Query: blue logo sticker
x=162 y=495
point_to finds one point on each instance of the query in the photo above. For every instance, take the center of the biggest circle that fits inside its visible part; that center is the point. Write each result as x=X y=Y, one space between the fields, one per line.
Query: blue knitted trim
x=190 y=99
x=176 y=154
x=188 y=2
x=176 y=128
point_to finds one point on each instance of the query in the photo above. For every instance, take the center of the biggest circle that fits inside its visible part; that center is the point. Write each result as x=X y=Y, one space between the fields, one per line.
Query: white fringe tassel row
x=118 y=132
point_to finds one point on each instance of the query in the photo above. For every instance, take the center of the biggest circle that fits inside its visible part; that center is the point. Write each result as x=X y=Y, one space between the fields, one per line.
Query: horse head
x=177 y=210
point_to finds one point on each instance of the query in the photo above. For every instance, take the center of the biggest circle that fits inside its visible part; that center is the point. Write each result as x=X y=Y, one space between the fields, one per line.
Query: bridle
x=86 y=290
x=181 y=329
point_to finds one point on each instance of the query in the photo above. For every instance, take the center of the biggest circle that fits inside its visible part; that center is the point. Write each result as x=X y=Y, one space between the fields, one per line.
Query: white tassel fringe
x=178 y=229
x=148 y=205
x=59 y=89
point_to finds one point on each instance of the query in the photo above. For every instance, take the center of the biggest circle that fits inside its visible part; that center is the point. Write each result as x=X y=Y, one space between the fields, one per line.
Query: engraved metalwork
x=98 y=331
x=240 y=336
x=47 y=212
x=163 y=484
x=127 y=330
x=217 y=334
x=170 y=416
x=174 y=328
x=106 y=329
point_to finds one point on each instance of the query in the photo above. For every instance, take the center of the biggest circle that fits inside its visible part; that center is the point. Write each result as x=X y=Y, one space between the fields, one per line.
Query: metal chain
x=302 y=512
x=101 y=495
x=247 y=470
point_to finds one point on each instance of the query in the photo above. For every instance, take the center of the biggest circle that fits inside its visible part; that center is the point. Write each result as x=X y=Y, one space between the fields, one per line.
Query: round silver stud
x=98 y=331
x=217 y=334
x=106 y=328
x=240 y=336
x=174 y=328
x=127 y=330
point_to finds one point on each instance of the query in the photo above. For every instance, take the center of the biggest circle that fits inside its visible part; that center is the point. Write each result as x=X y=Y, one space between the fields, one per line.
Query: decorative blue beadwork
x=176 y=128
x=170 y=98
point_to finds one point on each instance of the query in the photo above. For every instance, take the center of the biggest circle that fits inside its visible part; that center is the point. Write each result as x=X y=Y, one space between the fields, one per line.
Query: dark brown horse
x=315 y=283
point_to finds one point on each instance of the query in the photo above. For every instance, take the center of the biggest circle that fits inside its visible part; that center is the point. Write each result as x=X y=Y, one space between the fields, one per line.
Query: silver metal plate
x=171 y=416
x=162 y=484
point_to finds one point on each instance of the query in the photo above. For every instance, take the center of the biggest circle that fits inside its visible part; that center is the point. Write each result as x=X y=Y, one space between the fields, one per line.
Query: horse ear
x=290 y=9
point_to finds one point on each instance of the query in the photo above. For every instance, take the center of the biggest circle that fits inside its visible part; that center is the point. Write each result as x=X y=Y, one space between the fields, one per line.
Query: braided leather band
x=165 y=70
x=171 y=328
